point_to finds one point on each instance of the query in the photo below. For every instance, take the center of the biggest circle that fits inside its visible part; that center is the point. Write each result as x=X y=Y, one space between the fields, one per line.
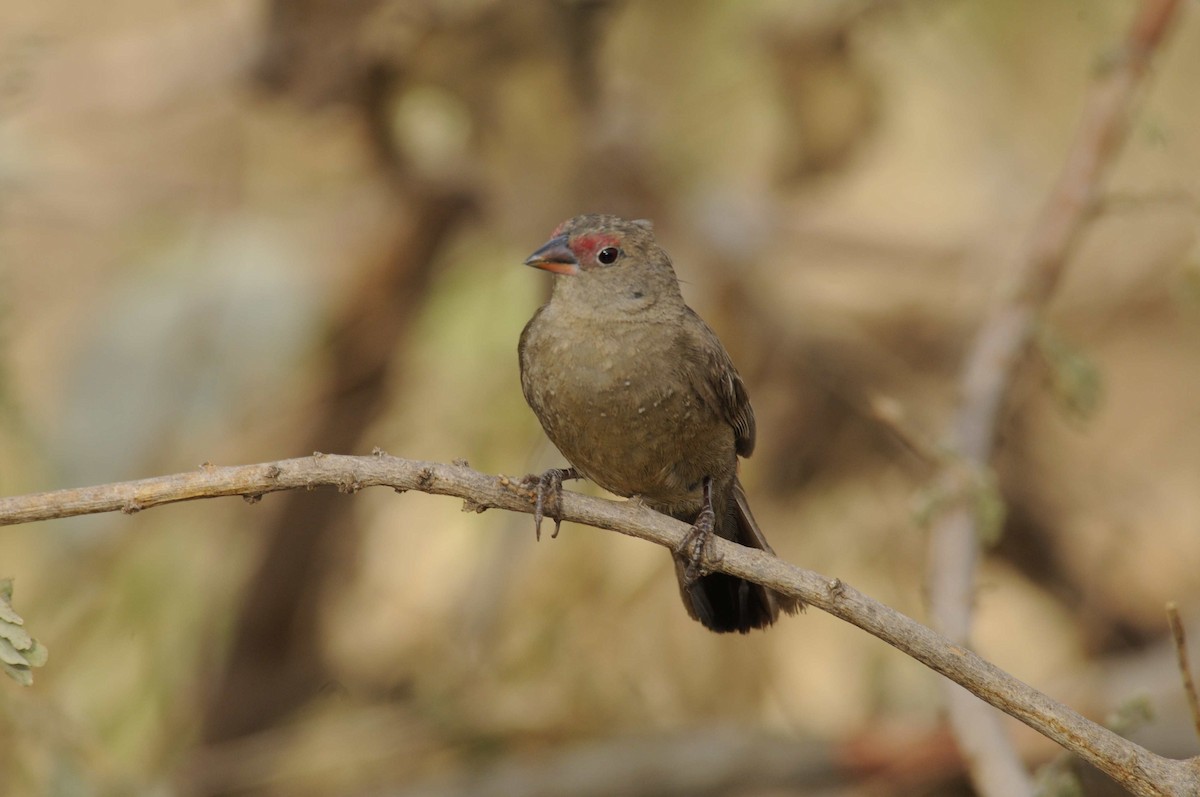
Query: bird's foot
x=696 y=548
x=549 y=482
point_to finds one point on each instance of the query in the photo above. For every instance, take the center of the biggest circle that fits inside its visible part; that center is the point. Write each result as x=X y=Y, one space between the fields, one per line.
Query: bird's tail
x=725 y=603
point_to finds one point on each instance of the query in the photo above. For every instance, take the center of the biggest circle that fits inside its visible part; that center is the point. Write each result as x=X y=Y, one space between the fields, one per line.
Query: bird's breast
x=616 y=403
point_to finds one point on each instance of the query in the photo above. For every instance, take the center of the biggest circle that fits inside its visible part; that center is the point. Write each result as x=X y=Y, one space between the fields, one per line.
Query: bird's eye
x=608 y=255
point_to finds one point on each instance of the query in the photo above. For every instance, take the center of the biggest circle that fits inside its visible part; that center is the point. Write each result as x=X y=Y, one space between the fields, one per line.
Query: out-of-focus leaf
x=22 y=675
x=1074 y=377
x=19 y=652
x=37 y=654
x=1131 y=715
x=10 y=655
x=978 y=488
x=1058 y=778
x=15 y=634
x=990 y=510
x=7 y=614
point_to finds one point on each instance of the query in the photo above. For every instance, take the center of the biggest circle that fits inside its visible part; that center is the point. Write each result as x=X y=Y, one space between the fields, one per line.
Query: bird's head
x=608 y=259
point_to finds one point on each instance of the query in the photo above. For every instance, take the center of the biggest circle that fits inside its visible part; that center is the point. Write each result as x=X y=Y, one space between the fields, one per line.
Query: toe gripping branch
x=549 y=482
x=696 y=548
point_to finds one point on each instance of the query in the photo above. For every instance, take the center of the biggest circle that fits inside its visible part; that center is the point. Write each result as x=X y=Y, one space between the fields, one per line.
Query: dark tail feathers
x=725 y=603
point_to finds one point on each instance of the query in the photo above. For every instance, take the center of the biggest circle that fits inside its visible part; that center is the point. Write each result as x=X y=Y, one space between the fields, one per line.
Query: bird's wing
x=721 y=382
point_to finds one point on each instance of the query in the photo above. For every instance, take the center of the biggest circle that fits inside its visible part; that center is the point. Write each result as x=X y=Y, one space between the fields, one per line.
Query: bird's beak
x=555 y=256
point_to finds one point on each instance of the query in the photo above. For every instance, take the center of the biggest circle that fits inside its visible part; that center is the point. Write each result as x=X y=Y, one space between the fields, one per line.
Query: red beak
x=555 y=256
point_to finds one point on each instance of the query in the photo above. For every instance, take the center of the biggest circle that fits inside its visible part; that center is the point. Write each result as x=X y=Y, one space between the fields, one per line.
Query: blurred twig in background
x=1185 y=670
x=999 y=348
x=274 y=664
x=319 y=54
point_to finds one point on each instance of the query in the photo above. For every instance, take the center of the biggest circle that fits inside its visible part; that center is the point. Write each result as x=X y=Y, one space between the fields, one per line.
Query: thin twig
x=1185 y=669
x=1140 y=771
x=999 y=347
x=889 y=413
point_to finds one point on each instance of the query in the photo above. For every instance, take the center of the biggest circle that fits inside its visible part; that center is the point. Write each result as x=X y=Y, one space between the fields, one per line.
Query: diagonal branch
x=1139 y=770
x=998 y=350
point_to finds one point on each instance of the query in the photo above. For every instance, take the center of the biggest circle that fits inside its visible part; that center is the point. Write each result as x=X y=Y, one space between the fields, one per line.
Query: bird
x=638 y=394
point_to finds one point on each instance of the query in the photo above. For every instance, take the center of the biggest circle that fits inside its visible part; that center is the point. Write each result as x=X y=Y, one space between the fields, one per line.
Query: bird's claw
x=550 y=481
x=696 y=548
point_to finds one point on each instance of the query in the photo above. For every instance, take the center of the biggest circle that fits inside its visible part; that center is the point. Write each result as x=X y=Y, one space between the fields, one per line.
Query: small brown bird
x=640 y=396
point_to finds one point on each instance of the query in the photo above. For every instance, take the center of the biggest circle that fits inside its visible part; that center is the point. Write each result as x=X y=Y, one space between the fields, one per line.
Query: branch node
x=273 y=472
x=518 y=487
x=460 y=463
x=132 y=507
x=425 y=477
x=252 y=498
x=835 y=588
x=378 y=452
x=471 y=505
x=207 y=467
x=317 y=455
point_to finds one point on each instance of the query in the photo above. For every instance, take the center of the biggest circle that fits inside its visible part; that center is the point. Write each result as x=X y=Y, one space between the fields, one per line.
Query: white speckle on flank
x=641 y=410
x=628 y=383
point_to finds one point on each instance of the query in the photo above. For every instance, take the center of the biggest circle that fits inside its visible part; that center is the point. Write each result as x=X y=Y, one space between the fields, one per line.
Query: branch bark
x=999 y=348
x=1136 y=768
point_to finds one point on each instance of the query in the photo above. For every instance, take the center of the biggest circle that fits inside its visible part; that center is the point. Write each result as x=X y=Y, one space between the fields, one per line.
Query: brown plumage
x=640 y=396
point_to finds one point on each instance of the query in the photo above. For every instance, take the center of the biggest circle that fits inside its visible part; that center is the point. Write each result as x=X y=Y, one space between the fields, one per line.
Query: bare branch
x=1139 y=770
x=999 y=348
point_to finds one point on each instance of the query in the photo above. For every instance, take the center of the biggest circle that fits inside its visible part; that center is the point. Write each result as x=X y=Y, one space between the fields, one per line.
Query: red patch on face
x=587 y=245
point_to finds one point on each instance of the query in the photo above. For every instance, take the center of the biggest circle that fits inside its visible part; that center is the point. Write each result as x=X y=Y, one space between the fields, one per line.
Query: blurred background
x=242 y=230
